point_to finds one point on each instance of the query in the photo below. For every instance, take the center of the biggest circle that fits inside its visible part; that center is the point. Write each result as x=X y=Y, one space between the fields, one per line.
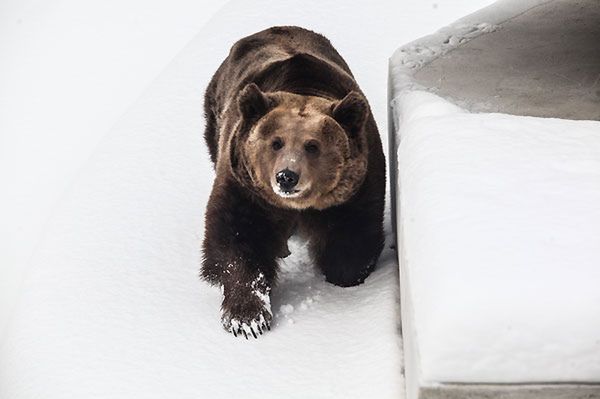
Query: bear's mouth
x=289 y=194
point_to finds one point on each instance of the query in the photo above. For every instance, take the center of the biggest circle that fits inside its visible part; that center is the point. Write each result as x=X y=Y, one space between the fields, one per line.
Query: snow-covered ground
x=113 y=307
x=69 y=70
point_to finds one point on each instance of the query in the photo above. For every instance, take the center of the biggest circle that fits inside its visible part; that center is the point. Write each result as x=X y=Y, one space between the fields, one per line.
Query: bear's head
x=300 y=151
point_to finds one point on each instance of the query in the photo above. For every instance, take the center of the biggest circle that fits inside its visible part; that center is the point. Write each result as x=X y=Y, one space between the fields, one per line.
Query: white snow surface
x=113 y=306
x=499 y=226
x=69 y=70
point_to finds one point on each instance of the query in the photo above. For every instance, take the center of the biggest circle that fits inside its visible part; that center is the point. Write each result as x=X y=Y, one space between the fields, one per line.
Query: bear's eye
x=277 y=144
x=311 y=147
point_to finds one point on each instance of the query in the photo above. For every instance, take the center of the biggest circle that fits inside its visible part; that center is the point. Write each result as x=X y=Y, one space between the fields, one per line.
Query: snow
x=69 y=70
x=500 y=234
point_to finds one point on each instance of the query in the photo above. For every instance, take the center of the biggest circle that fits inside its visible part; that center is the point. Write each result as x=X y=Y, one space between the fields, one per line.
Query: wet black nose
x=287 y=179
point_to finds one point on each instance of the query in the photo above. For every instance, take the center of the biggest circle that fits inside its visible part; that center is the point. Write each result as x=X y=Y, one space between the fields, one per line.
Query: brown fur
x=285 y=99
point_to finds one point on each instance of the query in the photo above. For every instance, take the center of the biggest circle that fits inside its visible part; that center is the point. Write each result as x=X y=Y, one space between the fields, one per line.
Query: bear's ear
x=351 y=112
x=253 y=102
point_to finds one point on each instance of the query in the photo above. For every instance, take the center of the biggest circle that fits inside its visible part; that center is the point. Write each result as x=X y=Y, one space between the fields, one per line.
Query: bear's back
x=281 y=42
x=286 y=58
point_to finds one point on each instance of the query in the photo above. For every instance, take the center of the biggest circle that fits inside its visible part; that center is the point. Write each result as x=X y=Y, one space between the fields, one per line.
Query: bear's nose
x=287 y=179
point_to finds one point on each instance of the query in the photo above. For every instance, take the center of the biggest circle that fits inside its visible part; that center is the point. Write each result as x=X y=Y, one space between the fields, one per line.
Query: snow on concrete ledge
x=499 y=226
x=498 y=229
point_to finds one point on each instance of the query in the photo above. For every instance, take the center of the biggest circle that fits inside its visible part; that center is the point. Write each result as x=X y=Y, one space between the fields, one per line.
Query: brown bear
x=296 y=150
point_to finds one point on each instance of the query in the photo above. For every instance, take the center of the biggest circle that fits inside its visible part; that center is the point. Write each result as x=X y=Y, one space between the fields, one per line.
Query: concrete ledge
x=529 y=58
x=548 y=391
x=543 y=62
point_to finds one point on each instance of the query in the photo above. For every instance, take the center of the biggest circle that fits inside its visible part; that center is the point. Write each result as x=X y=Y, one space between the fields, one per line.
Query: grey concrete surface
x=516 y=391
x=544 y=62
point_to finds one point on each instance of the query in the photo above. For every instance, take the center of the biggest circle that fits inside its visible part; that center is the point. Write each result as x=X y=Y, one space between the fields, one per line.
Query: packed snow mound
x=500 y=232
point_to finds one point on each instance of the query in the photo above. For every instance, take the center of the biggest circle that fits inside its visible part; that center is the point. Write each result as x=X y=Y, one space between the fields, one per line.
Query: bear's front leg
x=346 y=243
x=241 y=242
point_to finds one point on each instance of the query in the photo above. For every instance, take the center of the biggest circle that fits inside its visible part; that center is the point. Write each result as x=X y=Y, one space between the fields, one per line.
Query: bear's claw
x=254 y=328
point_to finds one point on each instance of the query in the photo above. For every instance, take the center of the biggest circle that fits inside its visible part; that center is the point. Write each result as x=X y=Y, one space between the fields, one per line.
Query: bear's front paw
x=247 y=312
x=347 y=278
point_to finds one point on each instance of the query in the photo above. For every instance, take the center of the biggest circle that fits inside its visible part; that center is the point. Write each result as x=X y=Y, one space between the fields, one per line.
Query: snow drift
x=500 y=232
